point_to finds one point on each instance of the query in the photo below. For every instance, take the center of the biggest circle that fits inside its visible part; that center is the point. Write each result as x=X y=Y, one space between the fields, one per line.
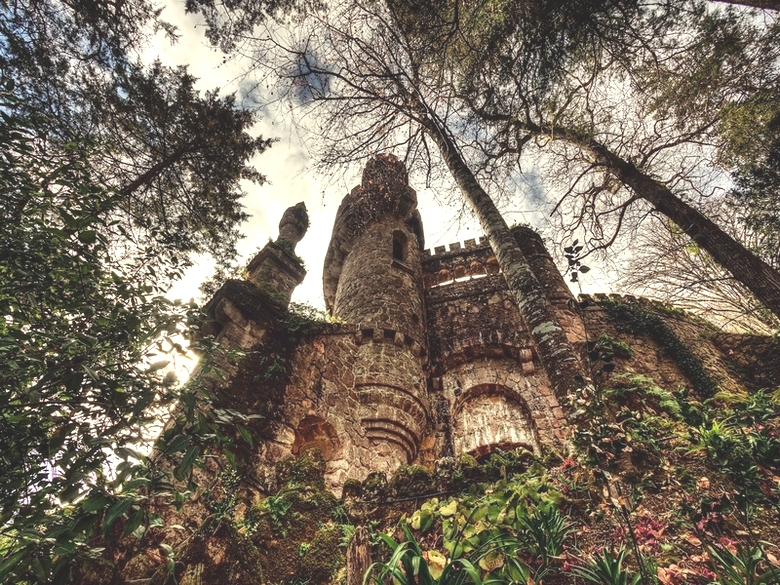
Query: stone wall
x=347 y=395
x=434 y=358
x=376 y=287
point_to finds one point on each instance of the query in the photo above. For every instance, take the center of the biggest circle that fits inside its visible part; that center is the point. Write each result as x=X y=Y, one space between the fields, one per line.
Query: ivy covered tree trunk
x=558 y=357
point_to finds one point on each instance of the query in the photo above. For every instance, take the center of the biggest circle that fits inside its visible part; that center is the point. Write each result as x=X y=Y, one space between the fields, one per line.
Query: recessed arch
x=490 y=417
x=315 y=432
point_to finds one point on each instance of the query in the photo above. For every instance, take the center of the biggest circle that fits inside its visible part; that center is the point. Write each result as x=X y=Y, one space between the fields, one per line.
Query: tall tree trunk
x=153 y=172
x=755 y=274
x=770 y=4
x=760 y=278
x=559 y=360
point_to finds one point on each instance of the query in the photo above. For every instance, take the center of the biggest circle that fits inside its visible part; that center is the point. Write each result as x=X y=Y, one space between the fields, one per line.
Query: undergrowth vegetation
x=664 y=489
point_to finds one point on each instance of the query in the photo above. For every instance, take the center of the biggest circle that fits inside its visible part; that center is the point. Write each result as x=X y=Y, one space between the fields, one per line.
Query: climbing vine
x=643 y=320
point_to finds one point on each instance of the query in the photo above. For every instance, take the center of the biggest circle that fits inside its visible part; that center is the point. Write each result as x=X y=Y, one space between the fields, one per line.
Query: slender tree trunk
x=770 y=4
x=559 y=360
x=358 y=556
x=155 y=170
x=755 y=274
x=760 y=278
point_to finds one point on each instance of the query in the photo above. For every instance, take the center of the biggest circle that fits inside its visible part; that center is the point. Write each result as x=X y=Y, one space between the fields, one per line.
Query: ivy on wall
x=646 y=321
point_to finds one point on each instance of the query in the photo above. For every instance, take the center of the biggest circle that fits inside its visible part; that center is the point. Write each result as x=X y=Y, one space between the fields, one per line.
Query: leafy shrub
x=743 y=567
x=606 y=568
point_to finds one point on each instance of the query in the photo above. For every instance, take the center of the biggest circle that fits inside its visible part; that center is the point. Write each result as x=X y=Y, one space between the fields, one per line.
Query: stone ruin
x=429 y=357
x=427 y=365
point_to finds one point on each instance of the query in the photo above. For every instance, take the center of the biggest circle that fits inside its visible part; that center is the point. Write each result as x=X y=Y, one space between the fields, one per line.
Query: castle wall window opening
x=400 y=242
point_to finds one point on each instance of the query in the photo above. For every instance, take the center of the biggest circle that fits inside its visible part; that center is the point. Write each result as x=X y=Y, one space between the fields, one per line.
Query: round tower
x=372 y=277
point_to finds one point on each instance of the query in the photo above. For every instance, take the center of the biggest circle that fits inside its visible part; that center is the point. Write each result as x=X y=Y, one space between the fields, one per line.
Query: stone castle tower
x=429 y=357
x=428 y=362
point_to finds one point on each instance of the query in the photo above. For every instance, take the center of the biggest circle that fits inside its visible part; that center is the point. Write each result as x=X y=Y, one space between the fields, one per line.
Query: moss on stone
x=375 y=486
x=353 y=489
x=308 y=469
x=467 y=460
x=301 y=513
x=411 y=480
x=323 y=557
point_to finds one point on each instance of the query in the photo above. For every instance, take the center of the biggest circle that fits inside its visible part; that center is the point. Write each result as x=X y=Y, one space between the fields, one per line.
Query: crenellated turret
x=372 y=268
x=372 y=277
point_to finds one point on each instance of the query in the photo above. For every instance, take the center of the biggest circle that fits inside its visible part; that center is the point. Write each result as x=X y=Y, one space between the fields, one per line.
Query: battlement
x=456 y=247
x=599 y=298
x=472 y=259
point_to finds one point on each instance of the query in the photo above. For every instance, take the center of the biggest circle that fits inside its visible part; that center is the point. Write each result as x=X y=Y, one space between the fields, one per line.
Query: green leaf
x=88 y=236
x=449 y=509
x=183 y=470
x=230 y=457
x=38 y=570
x=245 y=434
x=134 y=523
x=178 y=443
x=115 y=511
x=93 y=503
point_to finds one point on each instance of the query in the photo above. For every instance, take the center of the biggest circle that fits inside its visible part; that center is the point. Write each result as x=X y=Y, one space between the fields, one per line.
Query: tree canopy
x=113 y=173
x=639 y=108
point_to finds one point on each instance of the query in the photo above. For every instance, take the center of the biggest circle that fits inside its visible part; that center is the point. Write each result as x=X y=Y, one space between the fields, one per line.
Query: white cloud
x=288 y=167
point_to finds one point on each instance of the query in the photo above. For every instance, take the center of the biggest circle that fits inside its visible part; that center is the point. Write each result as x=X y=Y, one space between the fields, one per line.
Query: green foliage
x=755 y=197
x=491 y=533
x=619 y=348
x=187 y=186
x=632 y=417
x=84 y=342
x=410 y=565
x=227 y=28
x=277 y=507
x=173 y=157
x=548 y=530
x=644 y=390
x=606 y=568
x=645 y=321
x=745 y=567
x=745 y=444
x=602 y=352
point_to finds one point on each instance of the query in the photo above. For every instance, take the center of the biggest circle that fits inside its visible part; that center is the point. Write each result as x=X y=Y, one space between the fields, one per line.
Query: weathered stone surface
x=432 y=365
x=434 y=359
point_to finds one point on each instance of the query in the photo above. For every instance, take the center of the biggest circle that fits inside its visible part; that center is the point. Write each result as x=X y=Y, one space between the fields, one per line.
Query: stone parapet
x=459 y=263
x=441 y=252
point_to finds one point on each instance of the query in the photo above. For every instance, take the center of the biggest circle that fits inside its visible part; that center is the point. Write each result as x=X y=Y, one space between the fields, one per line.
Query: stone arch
x=315 y=432
x=490 y=417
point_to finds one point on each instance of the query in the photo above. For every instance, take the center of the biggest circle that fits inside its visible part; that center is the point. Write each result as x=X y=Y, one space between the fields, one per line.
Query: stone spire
x=276 y=268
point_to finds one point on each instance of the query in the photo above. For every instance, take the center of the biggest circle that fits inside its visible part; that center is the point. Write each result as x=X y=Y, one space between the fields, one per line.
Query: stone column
x=276 y=269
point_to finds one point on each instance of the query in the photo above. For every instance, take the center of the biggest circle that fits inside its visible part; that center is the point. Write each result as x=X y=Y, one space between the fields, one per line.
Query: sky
x=288 y=166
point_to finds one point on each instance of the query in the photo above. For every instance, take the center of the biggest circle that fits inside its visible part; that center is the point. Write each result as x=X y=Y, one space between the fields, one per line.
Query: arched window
x=399 y=246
